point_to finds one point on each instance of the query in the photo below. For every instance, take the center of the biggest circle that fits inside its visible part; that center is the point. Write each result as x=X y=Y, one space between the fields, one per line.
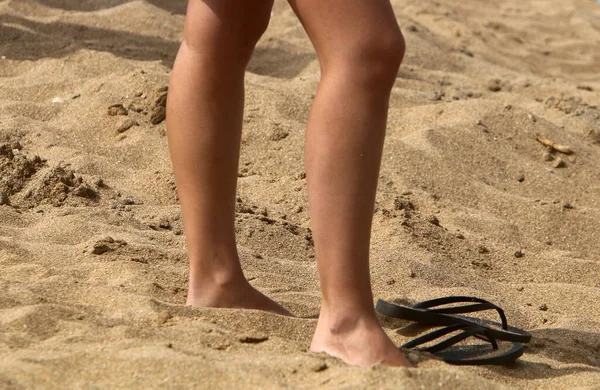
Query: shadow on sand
x=25 y=39
x=173 y=6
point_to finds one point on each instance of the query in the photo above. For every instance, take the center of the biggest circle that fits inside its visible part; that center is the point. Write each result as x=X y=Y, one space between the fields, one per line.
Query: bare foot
x=358 y=341
x=234 y=295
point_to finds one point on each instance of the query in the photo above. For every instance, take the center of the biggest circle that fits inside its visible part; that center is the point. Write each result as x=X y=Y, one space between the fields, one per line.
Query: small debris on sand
x=158 y=115
x=163 y=317
x=252 y=338
x=559 y=163
x=414 y=357
x=16 y=169
x=278 y=134
x=494 y=85
x=466 y=51
x=159 y=111
x=107 y=244
x=405 y=205
x=433 y=220
x=126 y=125
x=136 y=108
x=130 y=200
x=486 y=129
x=482 y=249
x=300 y=176
x=318 y=367
x=552 y=146
x=85 y=191
x=117 y=109
x=61 y=185
x=4 y=198
x=585 y=88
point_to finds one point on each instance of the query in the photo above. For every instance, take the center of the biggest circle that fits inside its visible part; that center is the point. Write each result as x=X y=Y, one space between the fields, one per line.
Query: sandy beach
x=489 y=186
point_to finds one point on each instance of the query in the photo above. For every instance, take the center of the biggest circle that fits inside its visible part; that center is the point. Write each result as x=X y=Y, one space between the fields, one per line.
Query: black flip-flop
x=427 y=313
x=492 y=353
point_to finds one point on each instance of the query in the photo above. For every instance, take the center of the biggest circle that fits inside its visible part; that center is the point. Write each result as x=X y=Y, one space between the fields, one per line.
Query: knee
x=228 y=30
x=252 y=30
x=375 y=61
x=394 y=49
x=381 y=58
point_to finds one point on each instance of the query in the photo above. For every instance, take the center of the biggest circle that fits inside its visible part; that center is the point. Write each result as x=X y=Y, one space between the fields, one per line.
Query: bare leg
x=204 y=117
x=360 y=48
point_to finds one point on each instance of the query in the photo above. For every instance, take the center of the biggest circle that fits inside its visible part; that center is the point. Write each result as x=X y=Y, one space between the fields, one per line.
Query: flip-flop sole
x=429 y=317
x=481 y=354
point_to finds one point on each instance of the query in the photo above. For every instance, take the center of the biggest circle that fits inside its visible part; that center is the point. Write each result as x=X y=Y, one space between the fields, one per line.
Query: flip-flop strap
x=481 y=305
x=467 y=331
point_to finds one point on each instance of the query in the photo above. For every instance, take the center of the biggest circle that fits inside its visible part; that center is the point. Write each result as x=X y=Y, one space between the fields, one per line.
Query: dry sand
x=92 y=256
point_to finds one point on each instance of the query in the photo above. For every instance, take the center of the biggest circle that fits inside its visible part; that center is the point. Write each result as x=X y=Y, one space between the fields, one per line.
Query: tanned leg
x=204 y=120
x=360 y=48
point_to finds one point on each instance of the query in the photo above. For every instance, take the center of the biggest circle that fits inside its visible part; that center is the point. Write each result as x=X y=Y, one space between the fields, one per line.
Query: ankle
x=338 y=322
x=205 y=280
x=217 y=267
x=217 y=290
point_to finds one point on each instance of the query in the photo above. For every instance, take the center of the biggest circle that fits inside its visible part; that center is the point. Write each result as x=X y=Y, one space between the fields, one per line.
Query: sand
x=92 y=256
